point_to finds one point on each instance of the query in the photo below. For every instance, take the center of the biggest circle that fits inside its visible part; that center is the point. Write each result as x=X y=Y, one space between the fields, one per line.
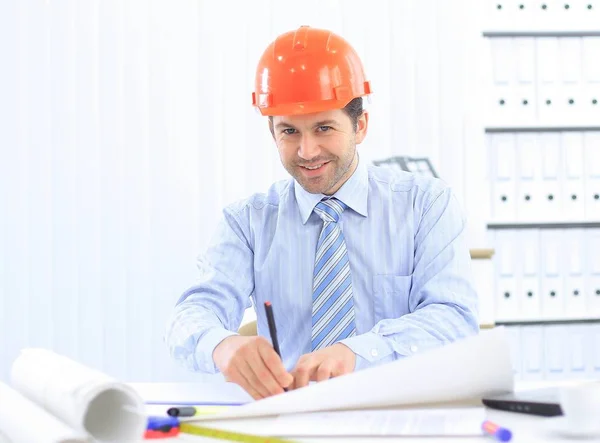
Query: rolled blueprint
x=85 y=399
x=22 y=421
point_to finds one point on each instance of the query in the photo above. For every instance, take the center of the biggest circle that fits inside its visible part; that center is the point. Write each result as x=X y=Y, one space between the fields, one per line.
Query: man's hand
x=252 y=363
x=323 y=364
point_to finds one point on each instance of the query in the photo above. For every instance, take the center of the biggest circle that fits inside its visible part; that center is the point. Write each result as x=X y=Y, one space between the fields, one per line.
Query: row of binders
x=546 y=274
x=545 y=176
x=555 y=352
x=544 y=79
x=543 y=14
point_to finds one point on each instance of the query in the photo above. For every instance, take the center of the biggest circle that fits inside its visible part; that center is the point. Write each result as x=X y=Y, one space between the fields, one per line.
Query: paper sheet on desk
x=191 y=393
x=459 y=372
x=457 y=422
x=410 y=422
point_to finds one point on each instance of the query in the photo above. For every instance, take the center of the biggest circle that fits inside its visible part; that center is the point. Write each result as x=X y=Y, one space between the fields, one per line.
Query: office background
x=127 y=125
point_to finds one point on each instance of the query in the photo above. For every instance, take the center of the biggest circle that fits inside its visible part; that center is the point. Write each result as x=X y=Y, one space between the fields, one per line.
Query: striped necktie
x=333 y=308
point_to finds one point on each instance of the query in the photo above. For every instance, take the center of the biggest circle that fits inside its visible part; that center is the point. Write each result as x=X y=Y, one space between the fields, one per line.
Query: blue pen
x=162 y=423
x=498 y=432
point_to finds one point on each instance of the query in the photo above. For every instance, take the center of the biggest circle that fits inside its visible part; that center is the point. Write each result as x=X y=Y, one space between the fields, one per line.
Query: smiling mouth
x=314 y=167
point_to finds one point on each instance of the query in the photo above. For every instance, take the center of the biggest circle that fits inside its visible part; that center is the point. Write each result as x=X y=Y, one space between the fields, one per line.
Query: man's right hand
x=252 y=363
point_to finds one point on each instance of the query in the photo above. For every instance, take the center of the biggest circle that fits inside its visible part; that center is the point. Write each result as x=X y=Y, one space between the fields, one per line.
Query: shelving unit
x=542 y=33
x=557 y=321
x=542 y=123
x=555 y=224
x=536 y=127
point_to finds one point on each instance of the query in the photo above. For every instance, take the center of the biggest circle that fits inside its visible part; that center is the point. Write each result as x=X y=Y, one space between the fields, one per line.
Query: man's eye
x=324 y=128
x=289 y=131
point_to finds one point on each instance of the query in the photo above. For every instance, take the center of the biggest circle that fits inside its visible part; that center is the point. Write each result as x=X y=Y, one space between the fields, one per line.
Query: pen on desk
x=272 y=329
x=498 y=432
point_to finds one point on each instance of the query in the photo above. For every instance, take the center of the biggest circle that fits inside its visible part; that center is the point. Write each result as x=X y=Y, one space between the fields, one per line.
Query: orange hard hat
x=308 y=70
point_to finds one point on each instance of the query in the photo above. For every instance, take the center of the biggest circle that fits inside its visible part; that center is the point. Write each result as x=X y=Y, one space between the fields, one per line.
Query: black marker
x=272 y=329
x=185 y=411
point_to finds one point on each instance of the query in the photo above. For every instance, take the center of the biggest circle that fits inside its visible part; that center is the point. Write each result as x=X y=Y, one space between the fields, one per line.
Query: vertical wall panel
x=9 y=317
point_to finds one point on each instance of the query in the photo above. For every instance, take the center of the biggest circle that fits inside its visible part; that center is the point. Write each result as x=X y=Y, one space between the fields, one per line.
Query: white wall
x=126 y=126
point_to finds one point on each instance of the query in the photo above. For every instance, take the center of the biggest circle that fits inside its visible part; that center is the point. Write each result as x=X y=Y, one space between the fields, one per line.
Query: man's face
x=319 y=150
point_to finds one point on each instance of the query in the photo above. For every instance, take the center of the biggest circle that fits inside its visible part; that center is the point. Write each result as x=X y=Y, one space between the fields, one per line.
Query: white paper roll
x=22 y=421
x=84 y=398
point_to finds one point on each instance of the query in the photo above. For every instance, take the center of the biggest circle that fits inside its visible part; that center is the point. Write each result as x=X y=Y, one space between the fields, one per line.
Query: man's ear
x=361 y=127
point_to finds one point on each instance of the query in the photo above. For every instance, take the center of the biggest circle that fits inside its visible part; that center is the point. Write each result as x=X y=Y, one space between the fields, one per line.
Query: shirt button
x=374 y=352
x=413 y=348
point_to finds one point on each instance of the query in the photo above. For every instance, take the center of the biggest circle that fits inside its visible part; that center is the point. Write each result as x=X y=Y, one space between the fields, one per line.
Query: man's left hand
x=323 y=364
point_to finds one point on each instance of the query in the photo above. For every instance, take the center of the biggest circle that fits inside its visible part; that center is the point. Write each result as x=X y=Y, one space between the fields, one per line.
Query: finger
x=239 y=378
x=263 y=374
x=273 y=362
x=338 y=369
x=325 y=370
x=245 y=368
x=303 y=372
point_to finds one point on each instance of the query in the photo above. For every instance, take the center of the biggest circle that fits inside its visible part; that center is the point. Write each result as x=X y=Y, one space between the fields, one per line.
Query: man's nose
x=309 y=147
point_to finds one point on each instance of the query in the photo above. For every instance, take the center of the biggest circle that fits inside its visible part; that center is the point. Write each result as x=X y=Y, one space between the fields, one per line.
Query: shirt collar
x=353 y=193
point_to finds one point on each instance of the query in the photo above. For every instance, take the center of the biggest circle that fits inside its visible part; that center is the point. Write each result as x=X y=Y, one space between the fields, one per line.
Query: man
x=363 y=265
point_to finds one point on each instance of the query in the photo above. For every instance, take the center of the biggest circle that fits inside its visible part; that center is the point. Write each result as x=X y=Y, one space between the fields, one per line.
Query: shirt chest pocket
x=391 y=294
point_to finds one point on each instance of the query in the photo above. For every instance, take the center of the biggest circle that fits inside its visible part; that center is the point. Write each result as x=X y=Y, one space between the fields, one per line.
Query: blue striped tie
x=333 y=308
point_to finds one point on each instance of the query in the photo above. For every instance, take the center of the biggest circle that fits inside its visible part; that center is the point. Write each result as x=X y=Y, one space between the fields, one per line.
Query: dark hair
x=353 y=110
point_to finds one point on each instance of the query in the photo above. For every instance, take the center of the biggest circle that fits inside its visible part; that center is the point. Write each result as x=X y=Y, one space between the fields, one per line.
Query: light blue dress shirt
x=408 y=256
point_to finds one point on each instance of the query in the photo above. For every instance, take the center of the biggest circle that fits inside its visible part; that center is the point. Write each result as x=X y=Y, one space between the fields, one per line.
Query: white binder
x=578 y=346
x=555 y=13
x=501 y=14
x=507 y=300
x=550 y=108
x=573 y=176
x=525 y=14
x=532 y=357
x=550 y=205
x=593 y=295
x=591 y=77
x=502 y=99
x=552 y=299
x=529 y=183
x=592 y=173
x=554 y=352
x=528 y=282
x=586 y=14
x=571 y=65
x=525 y=79
x=595 y=350
x=504 y=177
x=573 y=253
x=593 y=271
x=513 y=334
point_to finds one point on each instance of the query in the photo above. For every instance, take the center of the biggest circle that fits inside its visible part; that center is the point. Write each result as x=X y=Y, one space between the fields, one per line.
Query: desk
x=525 y=428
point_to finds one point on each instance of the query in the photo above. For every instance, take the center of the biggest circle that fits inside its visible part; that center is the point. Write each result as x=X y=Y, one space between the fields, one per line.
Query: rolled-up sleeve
x=214 y=307
x=443 y=304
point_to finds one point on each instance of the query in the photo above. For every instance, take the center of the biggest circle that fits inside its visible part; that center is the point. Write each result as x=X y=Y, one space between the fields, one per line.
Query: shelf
x=540 y=127
x=481 y=254
x=551 y=321
x=539 y=224
x=541 y=33
x=487 y=326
